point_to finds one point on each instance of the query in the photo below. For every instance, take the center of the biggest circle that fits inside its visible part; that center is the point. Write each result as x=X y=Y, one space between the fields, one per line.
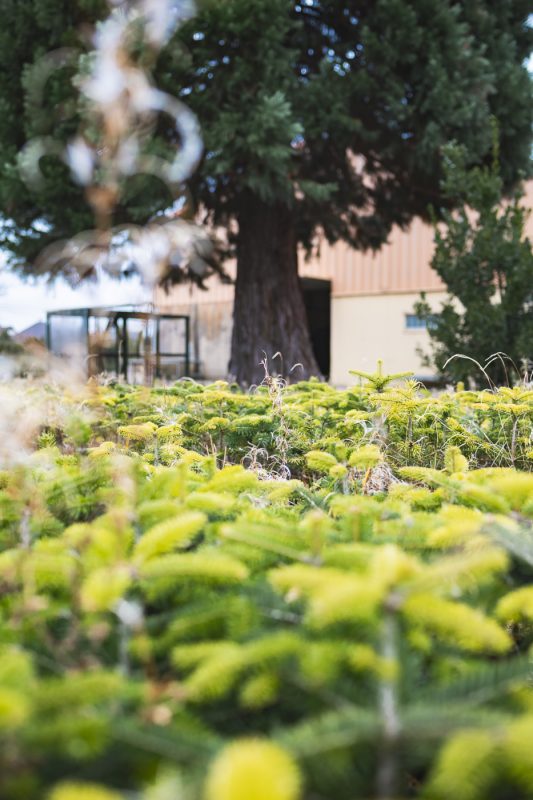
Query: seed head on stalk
x=120 y=110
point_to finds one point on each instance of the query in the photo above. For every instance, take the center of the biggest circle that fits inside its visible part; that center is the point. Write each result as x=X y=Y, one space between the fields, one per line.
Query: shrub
x=173 y=622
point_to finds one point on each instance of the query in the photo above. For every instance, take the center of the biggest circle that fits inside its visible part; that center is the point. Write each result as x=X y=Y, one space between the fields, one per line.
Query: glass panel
x=141 y=337
x=172 y=335
x=68 y=336
x=140 y=370
x=105 y=344
x=103 y=335
x=112 y=336
x=171 y=368
x=107 y=364
x=414 y=322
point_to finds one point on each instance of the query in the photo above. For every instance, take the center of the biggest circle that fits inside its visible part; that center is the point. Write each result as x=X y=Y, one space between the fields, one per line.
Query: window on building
x=415 y=323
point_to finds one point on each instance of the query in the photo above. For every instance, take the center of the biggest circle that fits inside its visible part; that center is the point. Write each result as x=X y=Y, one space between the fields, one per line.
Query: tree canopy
x=317 y=116
x=341 y=110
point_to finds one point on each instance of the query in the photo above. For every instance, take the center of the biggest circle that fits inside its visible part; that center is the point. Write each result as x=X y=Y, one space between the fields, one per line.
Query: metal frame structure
x=119 y=319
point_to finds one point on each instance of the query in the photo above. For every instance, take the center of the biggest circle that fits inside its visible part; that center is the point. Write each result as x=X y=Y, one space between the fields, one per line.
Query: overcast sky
x=24 y=302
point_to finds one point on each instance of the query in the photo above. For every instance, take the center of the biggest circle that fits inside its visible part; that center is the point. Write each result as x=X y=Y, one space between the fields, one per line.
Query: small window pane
x=68 y=336
x=103 y=335
x=141 y=337
x=172 y=335
x=171 y=368
x=413 y=322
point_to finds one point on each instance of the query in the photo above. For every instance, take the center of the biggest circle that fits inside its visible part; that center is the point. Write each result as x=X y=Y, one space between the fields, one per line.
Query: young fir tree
x=317 y=116
x=486 y=262
x=171 y=627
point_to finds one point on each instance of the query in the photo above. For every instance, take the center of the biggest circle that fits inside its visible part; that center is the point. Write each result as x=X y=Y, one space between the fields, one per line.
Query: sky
x=23 y=303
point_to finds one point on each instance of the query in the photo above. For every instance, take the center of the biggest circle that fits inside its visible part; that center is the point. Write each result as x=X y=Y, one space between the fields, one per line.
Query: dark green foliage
x=7 y=344
x=389 y=82
x=31 y=30
x=486 y=262
x=285 y=92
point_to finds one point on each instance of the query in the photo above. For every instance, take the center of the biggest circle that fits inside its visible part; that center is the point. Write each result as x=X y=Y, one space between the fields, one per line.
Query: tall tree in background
x=318 y=116
x=485 y=259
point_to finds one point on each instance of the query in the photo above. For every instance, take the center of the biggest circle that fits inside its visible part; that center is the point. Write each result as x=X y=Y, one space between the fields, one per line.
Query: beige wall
x=369 y=327
x=213 y=342
x=363 y=329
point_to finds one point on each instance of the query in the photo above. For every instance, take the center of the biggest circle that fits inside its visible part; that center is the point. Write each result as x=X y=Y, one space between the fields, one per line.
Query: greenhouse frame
x=124 y=342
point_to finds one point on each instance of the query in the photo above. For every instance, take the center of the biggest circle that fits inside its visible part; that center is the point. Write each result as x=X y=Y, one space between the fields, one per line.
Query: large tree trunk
x=269 y=315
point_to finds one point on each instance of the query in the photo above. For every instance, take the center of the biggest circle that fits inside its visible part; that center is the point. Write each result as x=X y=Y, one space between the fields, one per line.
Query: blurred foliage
x=187 y=614
x=8 y=344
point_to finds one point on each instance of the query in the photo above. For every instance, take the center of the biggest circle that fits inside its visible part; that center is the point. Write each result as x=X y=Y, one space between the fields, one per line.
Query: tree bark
x=269 y=315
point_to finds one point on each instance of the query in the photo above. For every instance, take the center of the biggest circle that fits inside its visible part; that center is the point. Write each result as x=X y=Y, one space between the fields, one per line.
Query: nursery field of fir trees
x=295 y=593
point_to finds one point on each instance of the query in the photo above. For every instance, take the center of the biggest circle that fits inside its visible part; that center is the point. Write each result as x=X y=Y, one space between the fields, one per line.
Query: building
x=36 y=332
x=360 y=307
x=129 y=342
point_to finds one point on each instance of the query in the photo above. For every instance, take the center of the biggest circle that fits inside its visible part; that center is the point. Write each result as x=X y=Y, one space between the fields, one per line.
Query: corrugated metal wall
x=402 y=265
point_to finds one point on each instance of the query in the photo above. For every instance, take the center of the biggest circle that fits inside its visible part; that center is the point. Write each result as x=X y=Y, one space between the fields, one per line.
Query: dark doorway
x=317 y=299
